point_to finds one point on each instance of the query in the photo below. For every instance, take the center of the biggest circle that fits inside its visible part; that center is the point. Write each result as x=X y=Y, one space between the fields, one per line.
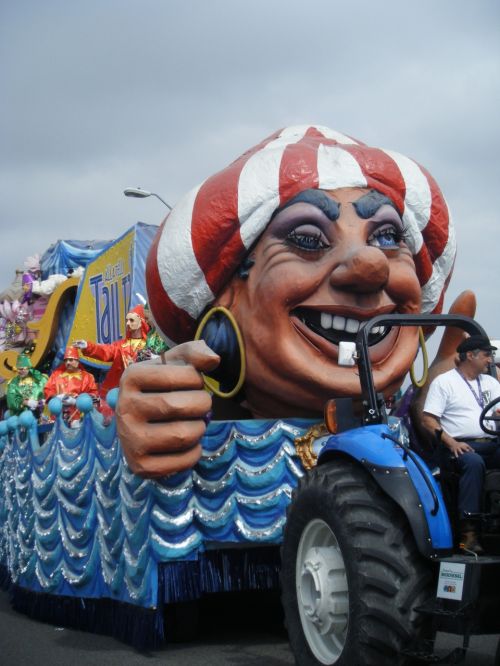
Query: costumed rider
x=452 y=408
x=25 y=391
x=69 y=381
x=120 y=353
x=155 y=344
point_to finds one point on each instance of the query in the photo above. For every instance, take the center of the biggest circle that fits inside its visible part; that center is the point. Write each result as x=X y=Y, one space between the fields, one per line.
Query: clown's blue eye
x=307 y=239
x=386 y=237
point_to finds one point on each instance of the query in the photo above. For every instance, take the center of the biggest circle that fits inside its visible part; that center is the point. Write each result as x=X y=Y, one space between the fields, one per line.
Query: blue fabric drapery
x=75 y=521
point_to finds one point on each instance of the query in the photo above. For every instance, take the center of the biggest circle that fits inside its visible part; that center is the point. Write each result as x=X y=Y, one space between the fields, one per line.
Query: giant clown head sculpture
x=302 y=238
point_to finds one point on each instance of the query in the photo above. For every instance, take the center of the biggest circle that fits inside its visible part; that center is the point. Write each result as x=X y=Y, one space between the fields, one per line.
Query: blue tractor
x=369 y=573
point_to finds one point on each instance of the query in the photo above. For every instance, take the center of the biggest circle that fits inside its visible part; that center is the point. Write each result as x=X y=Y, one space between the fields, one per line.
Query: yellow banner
x=104 y=296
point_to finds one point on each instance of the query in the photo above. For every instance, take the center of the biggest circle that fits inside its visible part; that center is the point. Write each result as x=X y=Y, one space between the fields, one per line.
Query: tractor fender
x=403 y=476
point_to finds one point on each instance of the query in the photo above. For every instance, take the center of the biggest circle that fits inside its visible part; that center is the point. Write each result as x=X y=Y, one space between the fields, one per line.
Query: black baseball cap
x=475 y=342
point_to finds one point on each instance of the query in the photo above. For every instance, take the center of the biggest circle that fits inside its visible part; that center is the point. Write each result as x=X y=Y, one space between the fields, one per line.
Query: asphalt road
x=237 y=629
x=240 y=630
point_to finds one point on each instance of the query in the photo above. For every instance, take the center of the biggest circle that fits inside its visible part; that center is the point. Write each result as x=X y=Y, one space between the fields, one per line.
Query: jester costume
x=120 y=353
x=68 y=383
x=62 y=381
x=29 y=387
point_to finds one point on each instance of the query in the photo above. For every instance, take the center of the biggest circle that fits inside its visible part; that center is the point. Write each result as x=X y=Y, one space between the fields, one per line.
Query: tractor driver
x=452 y=409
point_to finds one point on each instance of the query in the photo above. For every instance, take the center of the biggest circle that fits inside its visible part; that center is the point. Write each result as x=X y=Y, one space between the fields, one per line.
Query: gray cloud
x=103 y=95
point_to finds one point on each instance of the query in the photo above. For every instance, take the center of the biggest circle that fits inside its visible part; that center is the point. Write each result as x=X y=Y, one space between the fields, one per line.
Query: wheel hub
x=322 y=571
x=322 y=591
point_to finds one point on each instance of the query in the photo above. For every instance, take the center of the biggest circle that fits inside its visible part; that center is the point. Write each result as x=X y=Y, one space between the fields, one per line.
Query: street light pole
x=142 y=194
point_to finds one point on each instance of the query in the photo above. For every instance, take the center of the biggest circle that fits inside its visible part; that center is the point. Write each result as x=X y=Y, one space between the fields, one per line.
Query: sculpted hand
x=80 y=344
x=464 y=304
x=32 y=404
x=161 y=409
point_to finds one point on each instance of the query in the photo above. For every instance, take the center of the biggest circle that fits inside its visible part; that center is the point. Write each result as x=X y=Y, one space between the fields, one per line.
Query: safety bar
x=372 y=410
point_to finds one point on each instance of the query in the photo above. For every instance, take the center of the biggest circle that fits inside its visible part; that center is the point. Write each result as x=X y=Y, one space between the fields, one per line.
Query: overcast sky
x=104 y=94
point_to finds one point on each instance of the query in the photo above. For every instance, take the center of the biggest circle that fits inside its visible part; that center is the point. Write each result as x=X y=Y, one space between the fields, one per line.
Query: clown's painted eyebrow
x=367 y=205
x=316 y=198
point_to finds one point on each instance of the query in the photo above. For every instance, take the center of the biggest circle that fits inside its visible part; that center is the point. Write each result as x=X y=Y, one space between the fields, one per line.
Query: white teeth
x=352 y=326
x=338 y=323
x=326 y=320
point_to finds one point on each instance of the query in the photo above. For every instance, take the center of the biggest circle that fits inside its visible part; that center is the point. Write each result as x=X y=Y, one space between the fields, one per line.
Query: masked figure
x=301 y=239
x=120 y=353
x=25 y=391
x=67 y=382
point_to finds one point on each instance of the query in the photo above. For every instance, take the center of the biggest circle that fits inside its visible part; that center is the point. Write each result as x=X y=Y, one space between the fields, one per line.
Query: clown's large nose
x=361 y=269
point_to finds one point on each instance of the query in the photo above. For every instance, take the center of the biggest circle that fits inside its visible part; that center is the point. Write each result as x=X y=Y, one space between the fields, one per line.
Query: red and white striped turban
x=205 y=237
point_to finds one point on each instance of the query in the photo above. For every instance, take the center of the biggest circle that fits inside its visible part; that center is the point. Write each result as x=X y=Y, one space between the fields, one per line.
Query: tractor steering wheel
x=482 y=417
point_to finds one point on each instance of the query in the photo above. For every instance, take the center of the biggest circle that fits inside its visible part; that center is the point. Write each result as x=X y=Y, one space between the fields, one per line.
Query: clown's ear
x=229 y=295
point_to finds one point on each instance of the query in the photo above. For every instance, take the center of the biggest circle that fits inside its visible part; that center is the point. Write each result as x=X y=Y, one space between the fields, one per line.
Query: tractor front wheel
x=351 y=572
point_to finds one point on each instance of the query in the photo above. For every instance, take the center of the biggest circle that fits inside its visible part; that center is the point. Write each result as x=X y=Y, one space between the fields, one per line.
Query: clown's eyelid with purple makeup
x=300 y=214
x=387 y=228
x=303 y=226
x=305 y=220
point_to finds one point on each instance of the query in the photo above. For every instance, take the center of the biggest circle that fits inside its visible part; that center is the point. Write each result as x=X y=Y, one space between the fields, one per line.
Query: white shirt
x=453 y=402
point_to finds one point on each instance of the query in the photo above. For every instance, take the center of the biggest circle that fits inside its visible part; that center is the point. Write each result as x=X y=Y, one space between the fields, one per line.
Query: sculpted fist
x=161 y=409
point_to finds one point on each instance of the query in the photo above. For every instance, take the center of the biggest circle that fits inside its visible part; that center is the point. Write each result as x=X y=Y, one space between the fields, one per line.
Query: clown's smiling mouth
x=336 y=328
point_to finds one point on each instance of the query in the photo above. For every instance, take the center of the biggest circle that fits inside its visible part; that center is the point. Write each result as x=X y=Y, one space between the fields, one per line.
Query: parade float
x=86 y=543
x=293 y=289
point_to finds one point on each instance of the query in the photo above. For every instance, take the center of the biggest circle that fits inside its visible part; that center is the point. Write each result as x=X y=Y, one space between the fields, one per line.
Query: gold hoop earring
x=421 y=382
x=211 y=383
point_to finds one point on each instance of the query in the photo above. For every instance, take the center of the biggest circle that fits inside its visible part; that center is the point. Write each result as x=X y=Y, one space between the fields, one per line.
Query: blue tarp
x=66 y=254
x=144 y=235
